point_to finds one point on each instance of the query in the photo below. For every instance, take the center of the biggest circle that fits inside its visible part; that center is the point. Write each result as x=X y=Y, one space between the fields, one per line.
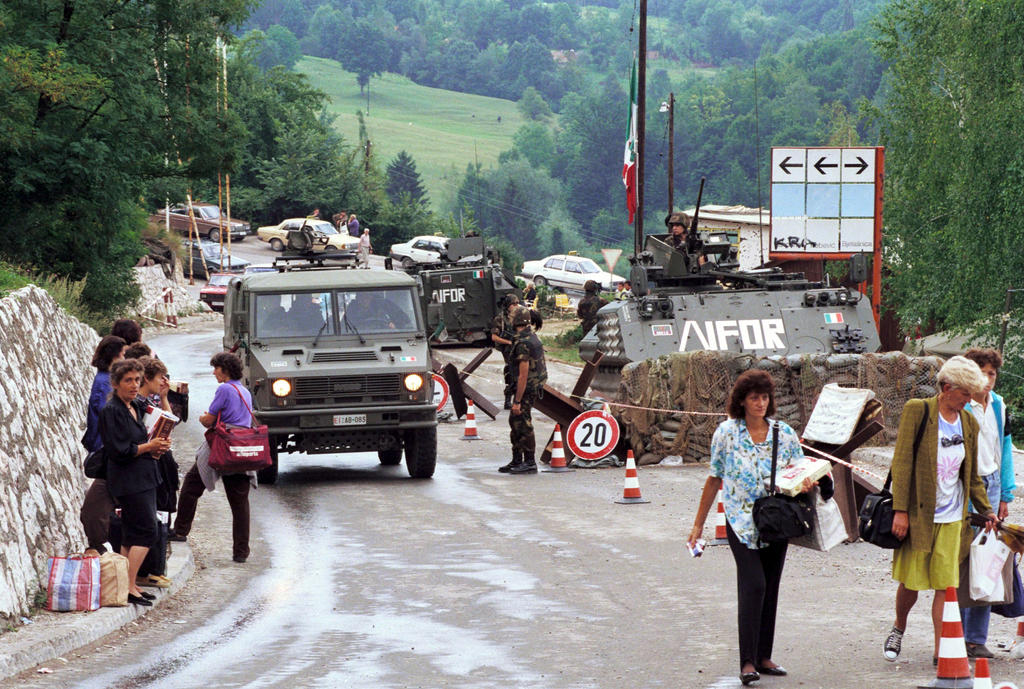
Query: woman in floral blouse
x=741 y=463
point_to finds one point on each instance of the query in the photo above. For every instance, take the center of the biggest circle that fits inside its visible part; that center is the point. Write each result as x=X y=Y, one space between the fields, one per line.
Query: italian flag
x=629 y=155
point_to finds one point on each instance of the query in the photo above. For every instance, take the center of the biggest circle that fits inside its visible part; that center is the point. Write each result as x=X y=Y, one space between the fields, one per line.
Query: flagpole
x=641 y=106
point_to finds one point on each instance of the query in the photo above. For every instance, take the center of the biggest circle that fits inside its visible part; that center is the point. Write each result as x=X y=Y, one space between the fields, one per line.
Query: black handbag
x=95 y=465
x=781 y=517
x=876 y=511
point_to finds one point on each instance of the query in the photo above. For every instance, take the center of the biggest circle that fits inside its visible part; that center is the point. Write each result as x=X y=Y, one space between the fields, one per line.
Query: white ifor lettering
x=726 y=329
x=706 y=342
x=774 y=328
x=750 y=335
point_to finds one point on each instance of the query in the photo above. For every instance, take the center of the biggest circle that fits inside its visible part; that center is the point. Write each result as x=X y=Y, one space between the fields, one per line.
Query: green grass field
x=442 y=130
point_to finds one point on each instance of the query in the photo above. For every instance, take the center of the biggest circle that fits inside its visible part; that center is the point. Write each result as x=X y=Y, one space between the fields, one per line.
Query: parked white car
x=568 y=272
x=423 y=249
x=277 y=235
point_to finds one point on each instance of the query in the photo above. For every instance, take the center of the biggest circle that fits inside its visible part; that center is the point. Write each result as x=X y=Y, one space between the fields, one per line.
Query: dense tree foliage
x=404 y=180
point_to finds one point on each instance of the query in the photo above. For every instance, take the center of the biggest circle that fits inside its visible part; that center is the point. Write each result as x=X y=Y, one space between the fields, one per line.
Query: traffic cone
x=557 y=465
x=470 y=432
x=954 y=672
x=631 y=488
x=720 y=537
x=982 y=679
x=1017 y=650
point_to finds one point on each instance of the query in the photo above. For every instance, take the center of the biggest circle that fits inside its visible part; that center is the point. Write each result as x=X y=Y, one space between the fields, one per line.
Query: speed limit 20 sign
x=593 y=434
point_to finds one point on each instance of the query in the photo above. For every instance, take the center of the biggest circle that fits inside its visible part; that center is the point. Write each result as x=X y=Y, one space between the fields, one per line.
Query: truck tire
x=390 y=458
x=539 y=281
x=276 y=244
x=421 y=452
x=268 y=476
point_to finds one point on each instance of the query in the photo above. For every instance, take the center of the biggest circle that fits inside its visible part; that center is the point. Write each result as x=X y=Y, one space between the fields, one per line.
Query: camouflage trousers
x=521 y=428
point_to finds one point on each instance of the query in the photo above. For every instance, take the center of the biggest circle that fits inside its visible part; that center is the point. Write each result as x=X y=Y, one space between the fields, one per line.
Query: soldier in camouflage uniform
x=589 y=306
x=502 y=335
x=679 y=237
x=530 y=372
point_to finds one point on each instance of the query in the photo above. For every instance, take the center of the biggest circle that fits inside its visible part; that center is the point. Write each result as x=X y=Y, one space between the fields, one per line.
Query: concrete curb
x=53 y=634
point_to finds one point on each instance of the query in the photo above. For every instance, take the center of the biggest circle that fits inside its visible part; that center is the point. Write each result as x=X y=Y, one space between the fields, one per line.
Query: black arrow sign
x=785 y=165
x=822 y=164
x=863 y=165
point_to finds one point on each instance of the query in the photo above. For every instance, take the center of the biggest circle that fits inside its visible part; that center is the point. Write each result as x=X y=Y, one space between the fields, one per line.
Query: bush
x=570 y=337
x=66 y=292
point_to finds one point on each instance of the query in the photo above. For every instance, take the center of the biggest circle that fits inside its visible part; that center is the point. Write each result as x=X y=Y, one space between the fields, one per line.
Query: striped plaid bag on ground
x=73 y=583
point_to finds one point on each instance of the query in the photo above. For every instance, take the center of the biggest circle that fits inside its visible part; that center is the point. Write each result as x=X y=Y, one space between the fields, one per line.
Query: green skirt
x=931 y=571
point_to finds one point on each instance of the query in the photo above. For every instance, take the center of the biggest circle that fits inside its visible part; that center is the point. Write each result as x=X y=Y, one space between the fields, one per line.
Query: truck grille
x=384 y=387
x=321 y=357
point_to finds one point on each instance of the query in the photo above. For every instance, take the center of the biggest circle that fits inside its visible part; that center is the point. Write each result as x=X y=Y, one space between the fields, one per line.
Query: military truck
x=336 y=359
x=697 y=298
x=463 y=291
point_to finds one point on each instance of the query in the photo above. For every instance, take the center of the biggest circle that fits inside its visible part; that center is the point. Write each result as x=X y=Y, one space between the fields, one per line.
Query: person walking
x=995 y=467
x=132 y=471
x=741 y=463
x=502 y=334
x=589 y=305
x=232 y=404
x=529 y=373
x=932 y=478
x=365 y=249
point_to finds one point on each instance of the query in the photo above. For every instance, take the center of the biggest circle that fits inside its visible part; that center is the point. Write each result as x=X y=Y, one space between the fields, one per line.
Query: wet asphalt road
x=363 y=577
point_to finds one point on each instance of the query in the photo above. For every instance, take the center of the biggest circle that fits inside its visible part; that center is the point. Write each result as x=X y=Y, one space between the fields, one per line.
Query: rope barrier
x=854 y=467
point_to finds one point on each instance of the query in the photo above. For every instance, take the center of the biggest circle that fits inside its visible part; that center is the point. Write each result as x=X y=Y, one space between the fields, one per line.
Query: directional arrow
x=863 y=165
x=822 y=164
x=785 y=165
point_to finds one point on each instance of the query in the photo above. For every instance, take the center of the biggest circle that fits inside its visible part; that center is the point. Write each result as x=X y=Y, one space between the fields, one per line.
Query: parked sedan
x=570 y=272
x=206 y=258
x=208 y=221
x=423 y=249
x=216 y=289
x=277 y=235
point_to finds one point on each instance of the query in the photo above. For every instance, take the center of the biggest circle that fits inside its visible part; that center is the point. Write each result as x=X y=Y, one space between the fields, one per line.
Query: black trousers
x=236 y=488
x=758 y=573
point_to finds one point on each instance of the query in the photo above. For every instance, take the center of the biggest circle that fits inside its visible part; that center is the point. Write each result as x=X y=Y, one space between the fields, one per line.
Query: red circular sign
x=440 y=391
x=593 y=434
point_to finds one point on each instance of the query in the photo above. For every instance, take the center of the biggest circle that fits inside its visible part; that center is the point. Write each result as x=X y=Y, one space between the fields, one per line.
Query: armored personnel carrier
x=463 y=291
x=696 y=298
x=335 y=358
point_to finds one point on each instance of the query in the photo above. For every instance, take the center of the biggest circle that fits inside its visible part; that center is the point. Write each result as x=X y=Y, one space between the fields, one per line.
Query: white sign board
x=611 y=257
x=824 y=200
x=592 y=434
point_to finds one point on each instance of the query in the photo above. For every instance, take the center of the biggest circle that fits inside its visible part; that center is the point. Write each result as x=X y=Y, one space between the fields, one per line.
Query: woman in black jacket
x=132 y=471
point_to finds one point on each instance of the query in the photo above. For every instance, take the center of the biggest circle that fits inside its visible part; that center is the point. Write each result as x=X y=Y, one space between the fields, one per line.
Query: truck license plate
x=350 y=419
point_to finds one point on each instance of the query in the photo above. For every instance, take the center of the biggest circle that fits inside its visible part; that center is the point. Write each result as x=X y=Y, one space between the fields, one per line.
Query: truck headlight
x=413 y=382
x=282 y=387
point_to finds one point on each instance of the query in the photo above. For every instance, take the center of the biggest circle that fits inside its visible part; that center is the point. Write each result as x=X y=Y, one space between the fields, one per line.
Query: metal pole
x=671 y=151
x=641 y=114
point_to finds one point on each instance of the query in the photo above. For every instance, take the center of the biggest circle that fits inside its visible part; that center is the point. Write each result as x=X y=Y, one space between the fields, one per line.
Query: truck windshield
x=377 y=311
x=296 y=314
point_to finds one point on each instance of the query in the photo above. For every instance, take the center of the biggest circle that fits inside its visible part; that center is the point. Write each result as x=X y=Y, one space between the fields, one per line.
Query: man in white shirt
x=995 y=467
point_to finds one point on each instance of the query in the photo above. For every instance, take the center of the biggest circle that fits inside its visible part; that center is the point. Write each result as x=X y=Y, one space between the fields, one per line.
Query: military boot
x=527 y=466
x=517 y=459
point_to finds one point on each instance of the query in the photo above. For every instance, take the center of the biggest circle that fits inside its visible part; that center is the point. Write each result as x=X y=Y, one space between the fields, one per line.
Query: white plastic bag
x=988 y=555
x=828 y=529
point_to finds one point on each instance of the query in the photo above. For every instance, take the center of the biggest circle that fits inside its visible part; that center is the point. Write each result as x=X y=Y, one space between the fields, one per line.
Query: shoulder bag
x=95 y=465
x=780 y=517
x=876 y=511
x=237 y=450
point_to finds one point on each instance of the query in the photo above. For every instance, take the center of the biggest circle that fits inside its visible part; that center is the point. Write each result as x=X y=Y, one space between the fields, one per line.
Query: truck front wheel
x=390 y=457
x=268 y=476
x=421 y=452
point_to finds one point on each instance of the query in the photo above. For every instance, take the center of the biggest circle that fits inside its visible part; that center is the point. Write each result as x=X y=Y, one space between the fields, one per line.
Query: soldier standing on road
x=530 y=372
x=589 y=306
x=502 y=335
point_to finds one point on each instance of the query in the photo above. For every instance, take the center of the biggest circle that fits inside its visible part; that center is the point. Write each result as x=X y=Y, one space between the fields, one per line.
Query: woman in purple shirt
x=233 y=404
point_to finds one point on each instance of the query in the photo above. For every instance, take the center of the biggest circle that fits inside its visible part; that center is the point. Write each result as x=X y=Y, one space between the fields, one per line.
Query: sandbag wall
x=45 y=378
x=700 y=382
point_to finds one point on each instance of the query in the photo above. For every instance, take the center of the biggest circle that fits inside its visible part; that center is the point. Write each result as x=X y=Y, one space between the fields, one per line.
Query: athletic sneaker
x=893 y=643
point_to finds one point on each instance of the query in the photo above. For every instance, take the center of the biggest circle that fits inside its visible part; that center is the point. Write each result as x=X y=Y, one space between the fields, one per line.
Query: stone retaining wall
x=45 y=378
x=153 y=281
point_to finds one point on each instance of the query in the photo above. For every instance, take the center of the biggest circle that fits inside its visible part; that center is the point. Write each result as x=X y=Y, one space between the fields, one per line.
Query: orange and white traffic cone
x=1017 y=650
x=631 y=488
x=982 y=678
x=720 y=536
x=558 y=465
x=470 y=432
x=954 y=672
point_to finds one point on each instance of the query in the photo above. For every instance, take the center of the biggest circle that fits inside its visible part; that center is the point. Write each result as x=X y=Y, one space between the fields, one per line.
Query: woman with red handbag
x=232 y=405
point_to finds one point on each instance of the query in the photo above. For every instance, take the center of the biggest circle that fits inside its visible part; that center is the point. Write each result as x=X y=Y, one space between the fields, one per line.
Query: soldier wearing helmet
x=589 y=306
x=679 y=237
x=529 y=373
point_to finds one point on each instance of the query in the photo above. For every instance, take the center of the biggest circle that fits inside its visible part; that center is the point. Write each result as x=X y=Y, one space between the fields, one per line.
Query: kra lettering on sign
x=246 y=450
x=753 y=334
x=448 y=295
